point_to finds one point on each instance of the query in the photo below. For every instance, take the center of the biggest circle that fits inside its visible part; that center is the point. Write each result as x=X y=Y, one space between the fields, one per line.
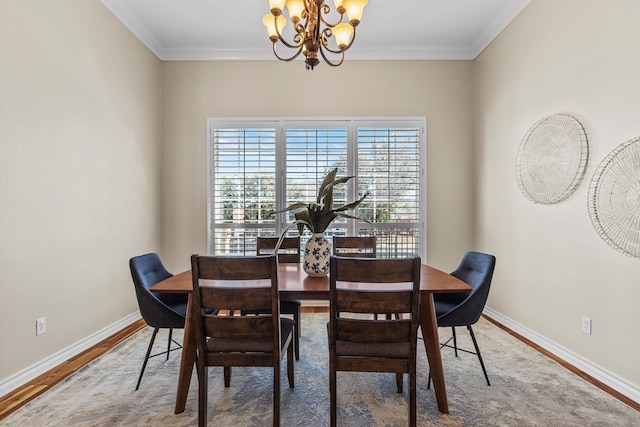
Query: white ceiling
x=209 y=30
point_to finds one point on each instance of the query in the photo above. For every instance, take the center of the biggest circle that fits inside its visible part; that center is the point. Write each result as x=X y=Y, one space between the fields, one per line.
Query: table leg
x=429 y=326
x=187 y=361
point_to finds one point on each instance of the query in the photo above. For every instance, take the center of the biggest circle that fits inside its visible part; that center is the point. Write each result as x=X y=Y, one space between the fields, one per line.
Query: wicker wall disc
x=614 y=198
x=552 y=159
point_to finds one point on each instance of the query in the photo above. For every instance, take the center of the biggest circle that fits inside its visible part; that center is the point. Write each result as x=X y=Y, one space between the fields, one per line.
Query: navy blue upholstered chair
x=465 y=308
x=158 y=310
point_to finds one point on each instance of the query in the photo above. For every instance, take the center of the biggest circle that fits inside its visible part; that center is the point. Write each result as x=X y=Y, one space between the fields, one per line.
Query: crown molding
x=497 y=26
x=263 y=52
x=133 y=24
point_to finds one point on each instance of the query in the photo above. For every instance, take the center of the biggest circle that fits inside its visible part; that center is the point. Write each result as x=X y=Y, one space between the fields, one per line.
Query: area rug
x=527 y=389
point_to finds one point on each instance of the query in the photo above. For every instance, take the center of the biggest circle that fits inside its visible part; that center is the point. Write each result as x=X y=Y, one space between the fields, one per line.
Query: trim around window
x=257 y=165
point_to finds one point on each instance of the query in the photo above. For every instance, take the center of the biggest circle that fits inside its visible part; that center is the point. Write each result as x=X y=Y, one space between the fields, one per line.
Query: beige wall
x=194 y=91
x=84 y=184
x=578 y=57
x=79 y=173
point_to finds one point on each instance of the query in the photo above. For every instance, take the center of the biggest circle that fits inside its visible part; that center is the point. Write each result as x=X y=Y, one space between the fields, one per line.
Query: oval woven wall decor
x=614 y=198
x=552 y=159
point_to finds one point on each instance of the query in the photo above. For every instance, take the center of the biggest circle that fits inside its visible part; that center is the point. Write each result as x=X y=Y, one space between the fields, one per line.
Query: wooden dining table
x=295 y=284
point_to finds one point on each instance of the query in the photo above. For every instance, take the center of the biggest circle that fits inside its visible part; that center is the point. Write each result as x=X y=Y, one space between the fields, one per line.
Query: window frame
x=352 y=124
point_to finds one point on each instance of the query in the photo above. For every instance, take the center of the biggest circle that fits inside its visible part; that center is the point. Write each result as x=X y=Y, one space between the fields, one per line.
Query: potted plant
x=317 y=216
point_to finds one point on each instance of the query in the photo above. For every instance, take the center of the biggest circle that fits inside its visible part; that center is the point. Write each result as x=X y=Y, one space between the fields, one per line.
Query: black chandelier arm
x=295 y=55
x=327 y=59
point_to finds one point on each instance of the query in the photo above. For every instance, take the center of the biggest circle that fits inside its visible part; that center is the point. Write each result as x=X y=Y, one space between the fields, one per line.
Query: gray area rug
x=528 y=389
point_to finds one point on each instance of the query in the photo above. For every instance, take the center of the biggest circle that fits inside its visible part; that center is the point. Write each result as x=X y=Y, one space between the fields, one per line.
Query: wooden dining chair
x=237 y=284
x=289 y=252
x=358 y=247
x=364 y=344
x=355 y=246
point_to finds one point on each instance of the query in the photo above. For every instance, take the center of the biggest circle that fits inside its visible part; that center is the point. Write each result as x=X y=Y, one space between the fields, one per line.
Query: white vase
x=316 y=255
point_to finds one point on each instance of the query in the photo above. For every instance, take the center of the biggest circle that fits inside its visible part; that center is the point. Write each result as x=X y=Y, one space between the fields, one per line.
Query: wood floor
x=14 y=400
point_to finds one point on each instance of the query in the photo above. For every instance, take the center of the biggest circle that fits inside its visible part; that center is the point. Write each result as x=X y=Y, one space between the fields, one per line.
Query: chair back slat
x=355 y=246
x=379 y=270
x=233 y=268
x=242 y=327
x=373 y=331
x=232 y=298
x=289 y=251
x=380 y=302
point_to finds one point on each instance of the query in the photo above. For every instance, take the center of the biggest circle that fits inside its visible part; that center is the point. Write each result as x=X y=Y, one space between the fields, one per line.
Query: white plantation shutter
x=389 y=168
x=311 y=152
x=256 y=167
x=243 y=187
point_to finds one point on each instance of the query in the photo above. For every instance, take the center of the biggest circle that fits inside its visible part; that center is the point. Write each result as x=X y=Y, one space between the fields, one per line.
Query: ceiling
x=210 y=30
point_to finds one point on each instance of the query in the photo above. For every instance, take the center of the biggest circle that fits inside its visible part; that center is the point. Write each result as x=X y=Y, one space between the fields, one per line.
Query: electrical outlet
x=41 y=326
x=586 y=325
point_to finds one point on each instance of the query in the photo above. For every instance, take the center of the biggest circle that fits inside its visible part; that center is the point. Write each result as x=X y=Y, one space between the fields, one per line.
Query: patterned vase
x=316 y=255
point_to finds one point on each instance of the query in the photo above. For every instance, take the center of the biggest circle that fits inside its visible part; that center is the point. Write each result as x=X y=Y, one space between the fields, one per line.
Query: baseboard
x=609 y=379
x=616 y=383
x=23 y=377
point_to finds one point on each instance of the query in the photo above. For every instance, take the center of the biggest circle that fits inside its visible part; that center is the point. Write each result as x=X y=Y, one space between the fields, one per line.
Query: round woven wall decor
x=552 y=159
x=614 y=198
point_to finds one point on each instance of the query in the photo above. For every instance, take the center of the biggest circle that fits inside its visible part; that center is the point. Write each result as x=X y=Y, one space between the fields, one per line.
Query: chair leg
x=332 y=396
x=455 y=341
x=455 y=346
x=169 y=343
x=203 y=387
x=290 y=375
x=412 y=395
x=227 y=376
x=296 y=333
x=146 y=357
x=276 y=394
x=399 y=381
x=475 y=344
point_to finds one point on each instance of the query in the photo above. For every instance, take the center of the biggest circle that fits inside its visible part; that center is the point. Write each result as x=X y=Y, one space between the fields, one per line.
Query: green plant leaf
x=331 y=176
x=352 y=205
x=319 y=215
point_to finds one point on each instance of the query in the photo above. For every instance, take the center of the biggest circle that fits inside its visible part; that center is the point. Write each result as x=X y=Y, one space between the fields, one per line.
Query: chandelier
x=307 y=17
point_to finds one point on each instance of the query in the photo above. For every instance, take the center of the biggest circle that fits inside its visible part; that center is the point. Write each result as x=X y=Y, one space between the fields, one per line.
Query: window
x=260 y=166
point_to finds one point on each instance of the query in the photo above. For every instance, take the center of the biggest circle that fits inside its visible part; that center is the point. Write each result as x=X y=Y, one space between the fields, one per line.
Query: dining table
x=295 y=284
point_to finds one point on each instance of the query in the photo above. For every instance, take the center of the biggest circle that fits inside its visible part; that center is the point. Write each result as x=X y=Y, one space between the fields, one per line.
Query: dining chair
x=289 y=252
x=465 y=308
x=238 y=284
x=355 y=246
x=359 y=247
x=160 y=311
x=358 y=342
